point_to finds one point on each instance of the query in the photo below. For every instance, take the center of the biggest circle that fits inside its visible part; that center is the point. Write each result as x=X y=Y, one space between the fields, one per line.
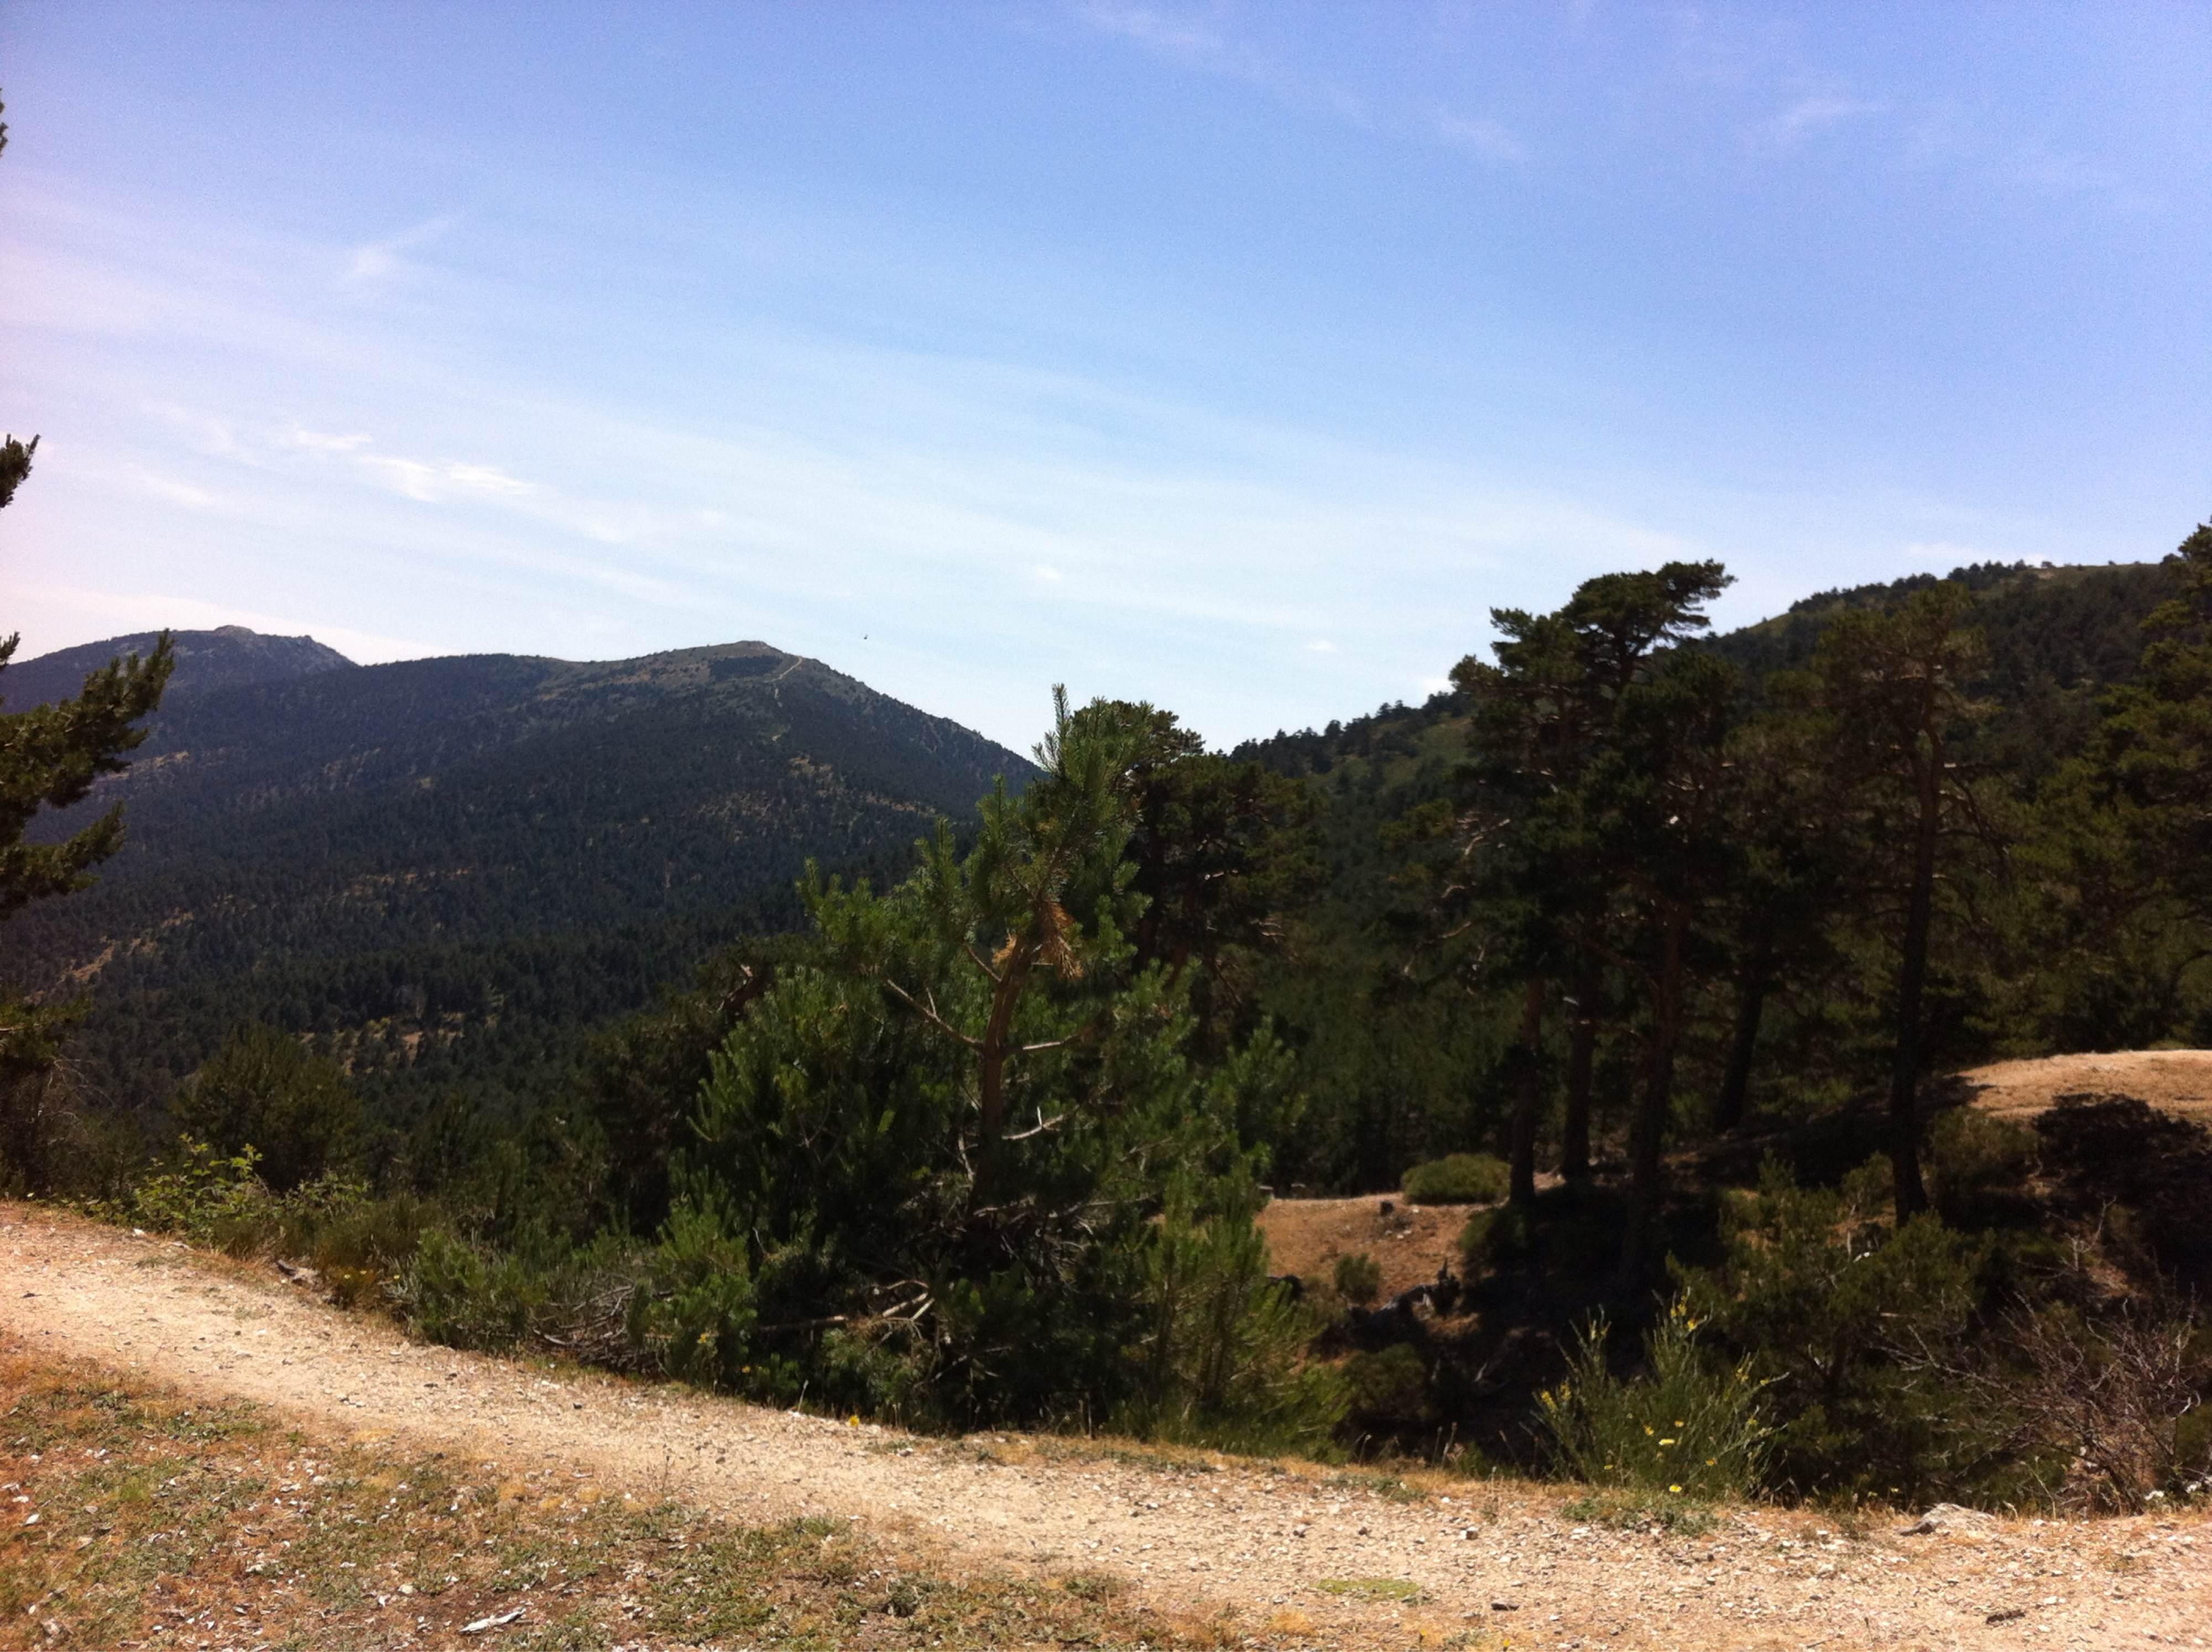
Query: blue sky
x=1236 y=357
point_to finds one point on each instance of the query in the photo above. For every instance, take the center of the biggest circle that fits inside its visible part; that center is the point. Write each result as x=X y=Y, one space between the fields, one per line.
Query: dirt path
x=1269 y=1540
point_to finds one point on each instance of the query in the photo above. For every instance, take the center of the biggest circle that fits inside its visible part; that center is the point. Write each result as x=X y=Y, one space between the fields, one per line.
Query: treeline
x=1685 y=931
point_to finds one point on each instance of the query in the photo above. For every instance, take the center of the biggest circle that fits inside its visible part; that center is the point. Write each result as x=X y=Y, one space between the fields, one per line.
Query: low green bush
x=210 y=1199
x=265 y=1090
x=1359 y=1279
x=1458 y=1179
x=1496 y=1238
x=1978 y=1167
x=1225 y=1356
x=1688 y=1426
x=1389 y=1388
x=588 y=1301
x=358 y=1243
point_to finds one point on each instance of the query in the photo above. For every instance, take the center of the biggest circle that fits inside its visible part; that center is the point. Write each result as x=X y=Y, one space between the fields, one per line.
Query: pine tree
x=49 y=756
x=1888 y=714
x=1585 y=829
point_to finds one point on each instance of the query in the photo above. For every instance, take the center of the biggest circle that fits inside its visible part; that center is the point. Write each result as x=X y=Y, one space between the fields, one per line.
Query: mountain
x=470 y=859
x=228 y=657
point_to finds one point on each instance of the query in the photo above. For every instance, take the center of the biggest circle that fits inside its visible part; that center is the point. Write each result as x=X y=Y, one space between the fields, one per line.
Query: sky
x=1240 y=357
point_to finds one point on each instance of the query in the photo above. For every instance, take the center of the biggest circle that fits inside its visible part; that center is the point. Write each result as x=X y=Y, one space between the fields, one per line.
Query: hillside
x=469 y=859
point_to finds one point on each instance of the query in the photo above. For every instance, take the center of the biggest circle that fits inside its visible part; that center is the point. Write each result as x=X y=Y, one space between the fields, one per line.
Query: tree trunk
x=1910 y=1195
x=1527 y=1095
x=1648 y=1131
x=1750 y=1005
x=1582 y=1061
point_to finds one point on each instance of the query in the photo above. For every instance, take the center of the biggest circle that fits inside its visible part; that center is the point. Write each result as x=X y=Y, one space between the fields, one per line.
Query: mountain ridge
x=335 y=848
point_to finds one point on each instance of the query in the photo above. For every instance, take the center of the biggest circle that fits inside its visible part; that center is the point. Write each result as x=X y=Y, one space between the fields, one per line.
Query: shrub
x=1359 y=1279
x=211 y=1198
x=2103 y=1408
x=1686 y=1426
x=584 y=1300
x=358 y=1244
x=2141 y=1174
x=1389 y=1388
x=1224 y=1362
x=1458 y=1179
x=263 y=1090
x=1496 y=1238
x=1978 y=1167
x=1858 y=1328
x=1571 y=1231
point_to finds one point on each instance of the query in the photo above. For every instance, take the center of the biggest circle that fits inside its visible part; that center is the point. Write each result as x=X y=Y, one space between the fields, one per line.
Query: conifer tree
x=1888 y=712
x=1592 y=718
x=49 y=756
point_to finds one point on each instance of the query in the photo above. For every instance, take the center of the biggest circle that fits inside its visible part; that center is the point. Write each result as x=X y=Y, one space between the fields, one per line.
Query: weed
x=1387 y=1486
x=1673 y=1515
x=1399 y=1589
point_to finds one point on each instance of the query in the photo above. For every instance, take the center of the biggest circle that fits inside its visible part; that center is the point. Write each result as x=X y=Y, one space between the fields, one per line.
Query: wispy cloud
x=1211 y=45
x=1810 y=116
x=1488 y=140
x=1213 y=42
x=379 y=260
x=1181 y=37
x=2058 y=175
x=316 y=441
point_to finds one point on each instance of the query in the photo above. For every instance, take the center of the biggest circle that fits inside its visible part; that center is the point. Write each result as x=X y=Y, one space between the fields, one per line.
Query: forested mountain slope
x=1392 y=1056
x=413 y=856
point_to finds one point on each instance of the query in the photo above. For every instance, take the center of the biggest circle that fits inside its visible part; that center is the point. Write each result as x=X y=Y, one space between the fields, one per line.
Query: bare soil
x=1305 y=1236
x=2173 y=1081
x=1342 y=1558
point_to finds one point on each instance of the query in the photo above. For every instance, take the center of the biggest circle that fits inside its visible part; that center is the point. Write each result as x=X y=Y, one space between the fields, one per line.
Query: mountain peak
x=228 y=657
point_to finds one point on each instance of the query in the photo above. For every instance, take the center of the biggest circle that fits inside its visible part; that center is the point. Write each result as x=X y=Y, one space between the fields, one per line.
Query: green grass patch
x=1402 y=1591
x=1677 y=1516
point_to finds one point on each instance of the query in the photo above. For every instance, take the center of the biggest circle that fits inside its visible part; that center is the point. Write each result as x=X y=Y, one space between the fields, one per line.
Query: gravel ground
x=1352 y=1557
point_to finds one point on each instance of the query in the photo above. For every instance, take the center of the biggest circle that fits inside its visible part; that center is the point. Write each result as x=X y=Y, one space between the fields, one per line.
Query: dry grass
x=134 y=1517
x=2173 y=1081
